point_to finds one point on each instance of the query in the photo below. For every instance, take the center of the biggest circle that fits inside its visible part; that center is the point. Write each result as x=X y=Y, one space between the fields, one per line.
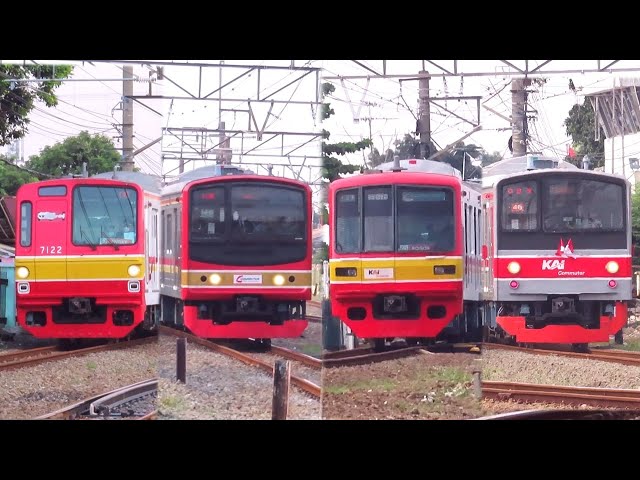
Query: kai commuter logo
x=565 y=251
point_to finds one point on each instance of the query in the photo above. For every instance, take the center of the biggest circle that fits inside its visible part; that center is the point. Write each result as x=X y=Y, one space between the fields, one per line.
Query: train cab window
x=208 y=214
x=347 y=221
x=574 y=204
x=425 y=219
x=378 y=219
x=520 y=205
x=25 y=224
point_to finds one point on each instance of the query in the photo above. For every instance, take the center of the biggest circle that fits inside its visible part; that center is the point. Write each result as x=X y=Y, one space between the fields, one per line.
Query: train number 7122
x=52 y=250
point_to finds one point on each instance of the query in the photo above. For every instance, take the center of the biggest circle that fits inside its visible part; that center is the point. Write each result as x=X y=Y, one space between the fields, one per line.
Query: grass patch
x=336 y=390
x=312 y=349
x=91 y=365
x=171 y=402
x=375 y=384
x=452 y=375
x=632 y=345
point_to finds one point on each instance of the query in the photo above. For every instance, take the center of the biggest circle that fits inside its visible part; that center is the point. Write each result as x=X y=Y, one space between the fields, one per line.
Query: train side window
x=169 y=234
x=25 y=224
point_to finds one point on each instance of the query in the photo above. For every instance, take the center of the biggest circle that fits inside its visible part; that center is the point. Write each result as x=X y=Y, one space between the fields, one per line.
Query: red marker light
x=413 y=162
x=248 y=197
x=514 y=284
x=613 y=284
x=519 y=191
x=208 y=196
x=510 y=191
x=529 y=190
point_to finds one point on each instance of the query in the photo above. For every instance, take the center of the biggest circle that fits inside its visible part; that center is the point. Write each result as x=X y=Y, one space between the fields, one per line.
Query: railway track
x=304 y=384
x=614 y=356
x=566 y=415
x=366 y=355
x=36 y=356
x=531 y=393
x=136 y=401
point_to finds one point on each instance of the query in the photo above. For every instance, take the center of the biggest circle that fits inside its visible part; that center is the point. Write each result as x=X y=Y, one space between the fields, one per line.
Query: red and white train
x=557 y=252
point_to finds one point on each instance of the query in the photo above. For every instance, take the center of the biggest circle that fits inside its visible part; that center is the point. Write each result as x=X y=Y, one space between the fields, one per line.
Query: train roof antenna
x=396 y=164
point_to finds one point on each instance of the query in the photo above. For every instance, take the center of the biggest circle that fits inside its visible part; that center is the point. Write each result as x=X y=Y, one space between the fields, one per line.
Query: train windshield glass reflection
x=104 y=215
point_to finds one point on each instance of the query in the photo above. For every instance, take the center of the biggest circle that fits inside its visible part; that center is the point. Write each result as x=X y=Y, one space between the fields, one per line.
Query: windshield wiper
x=86 y=237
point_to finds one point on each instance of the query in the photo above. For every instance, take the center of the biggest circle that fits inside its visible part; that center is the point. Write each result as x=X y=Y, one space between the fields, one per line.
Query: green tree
x=405 y=148
x=67 y=157
x=11 y=177
x=332 y=167
x=580 y=126
x=17 y=98
x=489 y=158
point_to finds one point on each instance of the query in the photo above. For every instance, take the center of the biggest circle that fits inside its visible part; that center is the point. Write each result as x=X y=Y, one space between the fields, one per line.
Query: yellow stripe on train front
x=83 y=268
x=395 y=269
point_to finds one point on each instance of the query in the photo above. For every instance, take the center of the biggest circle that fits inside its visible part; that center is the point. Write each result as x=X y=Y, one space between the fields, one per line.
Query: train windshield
x=571 y=205
x=566 y=205
x=402 y=218
x=425 y=219
x=248 y=213
x=104 y=215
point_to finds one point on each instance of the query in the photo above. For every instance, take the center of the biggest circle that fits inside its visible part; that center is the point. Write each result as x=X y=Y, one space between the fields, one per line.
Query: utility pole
x=127 y=120
x=519 y=116
x=224 y=142
x=424 y=115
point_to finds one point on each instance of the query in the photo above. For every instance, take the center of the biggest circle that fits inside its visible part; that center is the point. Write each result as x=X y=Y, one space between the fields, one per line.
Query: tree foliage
x=67 y=157
x=332 y=167
x=11 y=177
x=18 y=99
x=580 y=126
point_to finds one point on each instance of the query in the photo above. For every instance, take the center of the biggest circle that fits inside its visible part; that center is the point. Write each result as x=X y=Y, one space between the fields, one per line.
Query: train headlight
x=612 y=267
x=278 y=280
x=514 y=268
x=22 y=272
x=133 y=270
x=215 y=279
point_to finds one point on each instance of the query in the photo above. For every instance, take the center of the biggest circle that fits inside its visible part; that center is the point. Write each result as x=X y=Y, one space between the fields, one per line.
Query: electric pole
x=424 y=115
x=224 y=142
x=519 y=116
x=127 y=119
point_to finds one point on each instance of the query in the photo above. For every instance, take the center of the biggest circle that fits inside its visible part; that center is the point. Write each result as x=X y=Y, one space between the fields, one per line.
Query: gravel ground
x=33 y=391
x=311 y=340
x=511 y=366
x=23 y=341
x=219 y=387
x=298 y=369
x=424 y=386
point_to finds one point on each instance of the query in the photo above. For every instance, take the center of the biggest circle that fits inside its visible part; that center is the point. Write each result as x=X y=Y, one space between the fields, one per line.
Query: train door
x=51 y=218
x=152 y=253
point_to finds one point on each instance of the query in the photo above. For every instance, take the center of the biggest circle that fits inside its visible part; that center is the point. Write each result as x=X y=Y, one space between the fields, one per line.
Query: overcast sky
x=395 y=107
x=95 y=106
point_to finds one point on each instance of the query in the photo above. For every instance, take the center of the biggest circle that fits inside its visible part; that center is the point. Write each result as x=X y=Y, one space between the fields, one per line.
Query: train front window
x=574 y=204
x=425 y=219
x=378 y=219
x=261 y=213
x=208 y=214
x=347 y=221
x=104 y=215
x=520 y=205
